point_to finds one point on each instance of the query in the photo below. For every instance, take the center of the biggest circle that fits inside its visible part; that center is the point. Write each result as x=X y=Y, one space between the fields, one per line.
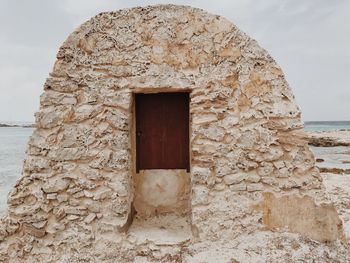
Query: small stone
x=269 y=180
x=234 y=178
x=265 y=169
x=66 y=154
x=58 y=226
x=283 y=173
x=200 y=195
x=60 y=214
x=222 y=169
x=72 y=217
x=219 y=187
x=238 y=187
x=252 y=178
x=46 y=208
x=102 y=194
x=55 y=185
x=279 y=164
x=88 y=193
x=119 y=188
x=50 y=117
x=62 y=197
x=93 y=206
x=89 y=218
x=75 y=210
x=99 y=215
x=84 y=112
x=52 y=196
x=200 y=174
x=206 y=118
x=39 y=224
x=31 y=230
x=255 y=187
x=92 y=174
x=73 y=190
x=78 y=194
x=27 y=247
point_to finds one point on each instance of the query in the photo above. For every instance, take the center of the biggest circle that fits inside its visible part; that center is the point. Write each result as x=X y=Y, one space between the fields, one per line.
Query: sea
x=13 y=141
x=326 y=125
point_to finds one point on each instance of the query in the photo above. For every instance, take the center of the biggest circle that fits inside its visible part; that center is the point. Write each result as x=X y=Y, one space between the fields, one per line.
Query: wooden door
x=162 y=131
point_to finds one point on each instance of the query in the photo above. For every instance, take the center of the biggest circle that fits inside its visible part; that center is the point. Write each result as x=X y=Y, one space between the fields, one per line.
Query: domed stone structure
x=160 y=129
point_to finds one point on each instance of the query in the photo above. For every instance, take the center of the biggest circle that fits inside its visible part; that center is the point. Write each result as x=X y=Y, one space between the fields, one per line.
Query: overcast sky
x=310 y=40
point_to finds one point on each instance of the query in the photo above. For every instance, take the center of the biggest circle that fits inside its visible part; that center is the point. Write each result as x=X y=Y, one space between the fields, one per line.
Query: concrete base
x=162 y=191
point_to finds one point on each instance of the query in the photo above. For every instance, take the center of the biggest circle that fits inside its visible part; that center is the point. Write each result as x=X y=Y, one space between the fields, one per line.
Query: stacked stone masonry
x=246 y=134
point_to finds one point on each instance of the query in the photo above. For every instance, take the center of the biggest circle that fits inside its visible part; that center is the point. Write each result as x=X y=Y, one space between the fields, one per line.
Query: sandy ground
x=337 y=183
x=338 y=189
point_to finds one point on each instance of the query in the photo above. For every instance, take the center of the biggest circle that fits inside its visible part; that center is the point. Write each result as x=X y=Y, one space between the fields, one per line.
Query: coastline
x=4 y=125
x=329 y=138
x=332 y=155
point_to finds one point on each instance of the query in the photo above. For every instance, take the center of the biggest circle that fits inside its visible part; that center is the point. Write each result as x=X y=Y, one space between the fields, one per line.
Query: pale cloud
x=308 y=38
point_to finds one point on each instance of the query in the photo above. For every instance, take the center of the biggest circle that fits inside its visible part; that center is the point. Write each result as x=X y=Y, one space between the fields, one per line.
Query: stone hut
x=162 y=128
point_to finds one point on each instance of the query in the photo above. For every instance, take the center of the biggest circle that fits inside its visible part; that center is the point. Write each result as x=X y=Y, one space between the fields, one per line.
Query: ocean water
x=334 y=157
x=326 y=125
x=13 y=143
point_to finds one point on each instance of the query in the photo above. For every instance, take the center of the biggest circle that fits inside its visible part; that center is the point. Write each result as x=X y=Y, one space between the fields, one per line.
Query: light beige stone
x=302 y=215
x=79 y=193
x=239 y=187
x=255 y=187
x=234 y=178
x=55 y=185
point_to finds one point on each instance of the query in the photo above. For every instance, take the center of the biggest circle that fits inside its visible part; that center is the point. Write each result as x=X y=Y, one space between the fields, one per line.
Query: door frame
x=133 y=123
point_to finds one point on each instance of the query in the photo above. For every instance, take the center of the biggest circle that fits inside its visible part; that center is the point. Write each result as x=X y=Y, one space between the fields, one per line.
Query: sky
x=309 y=39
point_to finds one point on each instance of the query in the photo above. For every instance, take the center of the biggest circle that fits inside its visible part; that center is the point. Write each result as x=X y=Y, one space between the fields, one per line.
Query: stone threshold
x=168 y=229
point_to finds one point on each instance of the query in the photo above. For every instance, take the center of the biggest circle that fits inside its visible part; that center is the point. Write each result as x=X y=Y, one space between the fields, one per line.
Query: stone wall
x=77 y=183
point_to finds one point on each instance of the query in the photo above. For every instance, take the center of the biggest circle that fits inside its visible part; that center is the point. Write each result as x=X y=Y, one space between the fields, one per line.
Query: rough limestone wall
x=246 y=135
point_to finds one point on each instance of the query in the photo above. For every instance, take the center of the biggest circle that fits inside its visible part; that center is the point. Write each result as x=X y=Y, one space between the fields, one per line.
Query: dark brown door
x=162 y=131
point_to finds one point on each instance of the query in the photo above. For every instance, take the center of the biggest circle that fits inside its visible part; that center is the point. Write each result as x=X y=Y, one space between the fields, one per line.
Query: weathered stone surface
x=239 y=187
x=200 y=195
x=52 y=97
x=60 y=214
x=89 y=218
x=302 y=215
x=255 y=187
x=31 y=230
x=200 y=174
x=162 y=191
x=234 y=178
x=79 y=183
x=52 y=196
x=50 y=117
x=55 y=185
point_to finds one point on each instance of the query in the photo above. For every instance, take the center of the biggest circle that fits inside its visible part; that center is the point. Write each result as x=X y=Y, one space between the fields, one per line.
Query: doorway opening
x=162 y=131
x=162 y=180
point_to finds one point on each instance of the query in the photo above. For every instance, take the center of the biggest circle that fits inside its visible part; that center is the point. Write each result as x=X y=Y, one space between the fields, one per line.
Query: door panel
x=162 y=130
